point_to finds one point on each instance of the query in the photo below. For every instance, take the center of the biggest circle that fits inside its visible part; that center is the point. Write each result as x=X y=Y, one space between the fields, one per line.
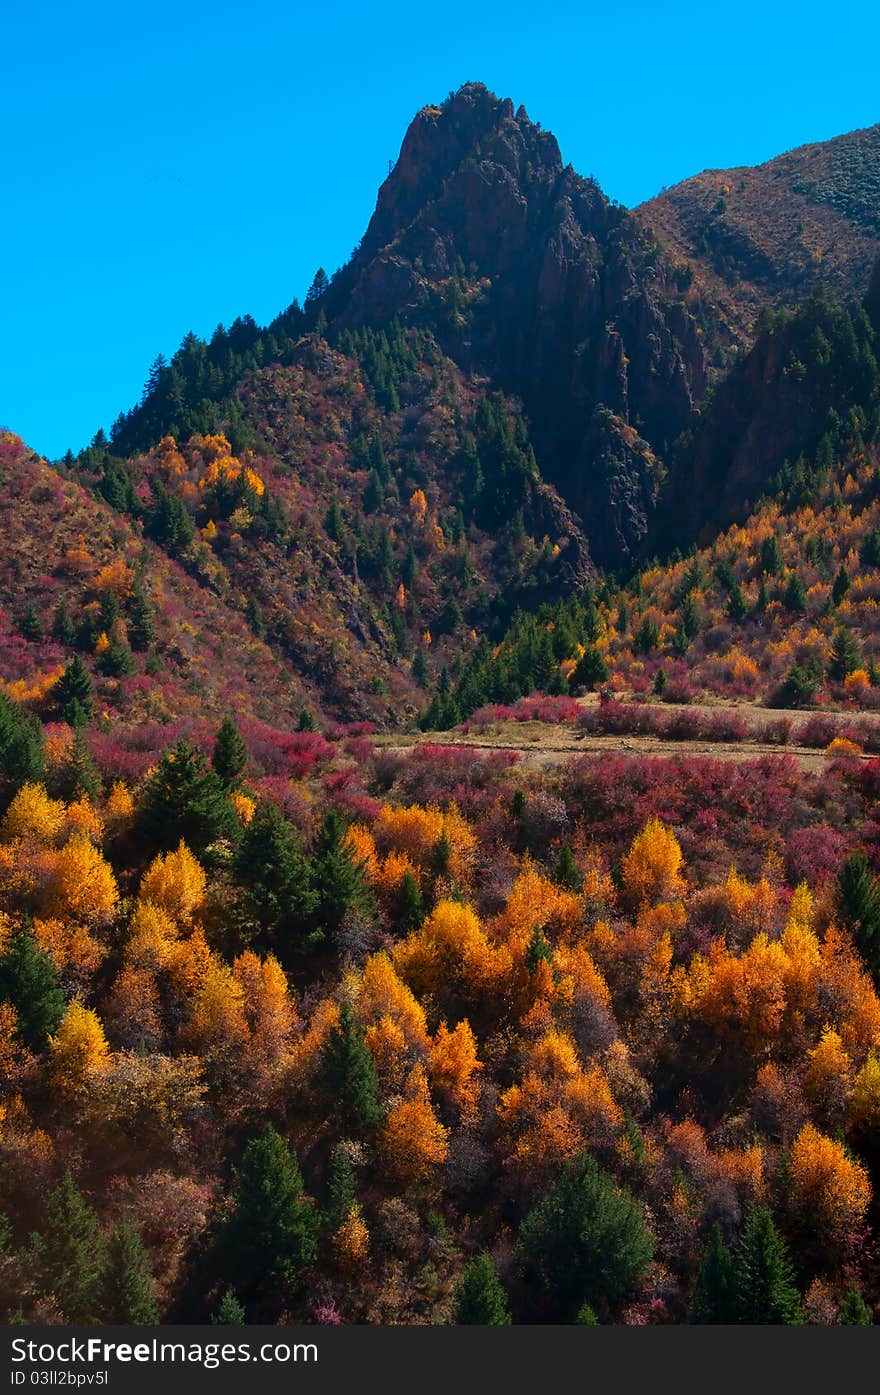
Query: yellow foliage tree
x=413 y=1142
x=81 y=884
x=78 y=1049
x=651 y=870
x=33 y=815
x=175 y=882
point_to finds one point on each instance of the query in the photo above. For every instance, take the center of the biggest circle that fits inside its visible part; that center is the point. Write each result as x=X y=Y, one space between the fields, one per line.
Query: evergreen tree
x=661 y=681
x=586 y=1317
x=141 y=630
x=712 y=1300
x=339 y=880
x=21 y=748
x=736 y=603
x=420 y=670
x=306 y=720
x=63 y=631
x=74 y=693
x=116 y=660
x=269 y=1236
x=764 y=1291
x=859 y=895
x=30 y=626
x=800 y=685
x=842 y=583
x=78 y=775
x=854 y=1311
x=585 y=1242
x=479 y=1299
x=347 y=1074
x=341 y=1188
x=254 y=617
x=567 y=872
x=771 y=556
x=229 y=1312
x=230 y=754
x=845 y=655
x=271 y=866
x=795 y=595
x=590 y=669
x=185 y=799
x=647 y=636
x=412 y=905
x=68 y=1252
x=30 y=982
x=126 y=1289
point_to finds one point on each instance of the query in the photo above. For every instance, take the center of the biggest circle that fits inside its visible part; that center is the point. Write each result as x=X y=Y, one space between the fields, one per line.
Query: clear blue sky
x=169 y=165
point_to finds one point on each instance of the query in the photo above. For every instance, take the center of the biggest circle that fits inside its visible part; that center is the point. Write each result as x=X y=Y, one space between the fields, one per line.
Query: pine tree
x=585 y=1242
x=567 y=872
x=341 y=1187
x=230 y=754
x=586 y=1316
x=229 y=1312
x=271 y=866
x=845 y=655
x=347 y=1075
x=712 y=1300
x=420 y=670
x=590 y=669
x=185 y=799
x=141 y=630
x=412 y=905
x=480 y=1300
x=771 y=556
x=269 y=1236
x=306 y=720
x=30 y=626
x=74 y=693
x=795 y=595
x=764 y=1290
x=68 y=1253
x=126 y=1289
x=339 y=879
x=736 y=603
x=116 y=660
x=21 y=748
x=842 y=583
x=854 y=1311
x=78 y=774
x=63 y=631
x=30 y=982
x=859 y=895
x=254 y=617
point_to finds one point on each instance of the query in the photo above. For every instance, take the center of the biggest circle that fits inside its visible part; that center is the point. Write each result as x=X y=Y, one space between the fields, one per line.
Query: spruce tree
x=567 y=873
x=339 y=880
x=764 y=1291
x=30 y=982
x=795 y=595
x=21 y=748
x=229 y=1312
x=859 y=897
x=713 y=1300
x=590 y=669
x=854 y=1311
x=412 y=906
x=272 y=868
x=480 y=1300
x=346 y=1074
x=78 y=775
x=420 y=670
x=185 y=799
x=30 y=626
x=126 y=1289
x=341 y=1188
x=63 y=631
x=585 y=1242
x=845 y=655
x=269 y=1236
x=74 y=693
x=306 y=720
x=842 y=583
x=141 y=630
x=230 y=755
x=68 y=1252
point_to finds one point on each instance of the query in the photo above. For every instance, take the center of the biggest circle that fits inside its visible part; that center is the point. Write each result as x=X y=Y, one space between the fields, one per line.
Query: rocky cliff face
x=529 y=275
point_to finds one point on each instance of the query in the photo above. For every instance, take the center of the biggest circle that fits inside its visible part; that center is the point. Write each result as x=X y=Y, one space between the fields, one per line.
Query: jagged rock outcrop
x=529 y=275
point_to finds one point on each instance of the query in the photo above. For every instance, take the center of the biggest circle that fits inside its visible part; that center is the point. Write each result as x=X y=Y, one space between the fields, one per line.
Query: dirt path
x=541 y=745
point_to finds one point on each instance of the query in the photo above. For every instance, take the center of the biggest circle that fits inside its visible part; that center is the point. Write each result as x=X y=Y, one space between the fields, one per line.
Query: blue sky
x=168 y=166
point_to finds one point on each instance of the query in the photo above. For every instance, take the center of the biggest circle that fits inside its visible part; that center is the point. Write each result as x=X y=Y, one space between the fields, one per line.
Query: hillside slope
x=768 y=234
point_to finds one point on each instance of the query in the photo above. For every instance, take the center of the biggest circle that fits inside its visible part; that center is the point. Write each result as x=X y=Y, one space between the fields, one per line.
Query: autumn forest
x=439 y=764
